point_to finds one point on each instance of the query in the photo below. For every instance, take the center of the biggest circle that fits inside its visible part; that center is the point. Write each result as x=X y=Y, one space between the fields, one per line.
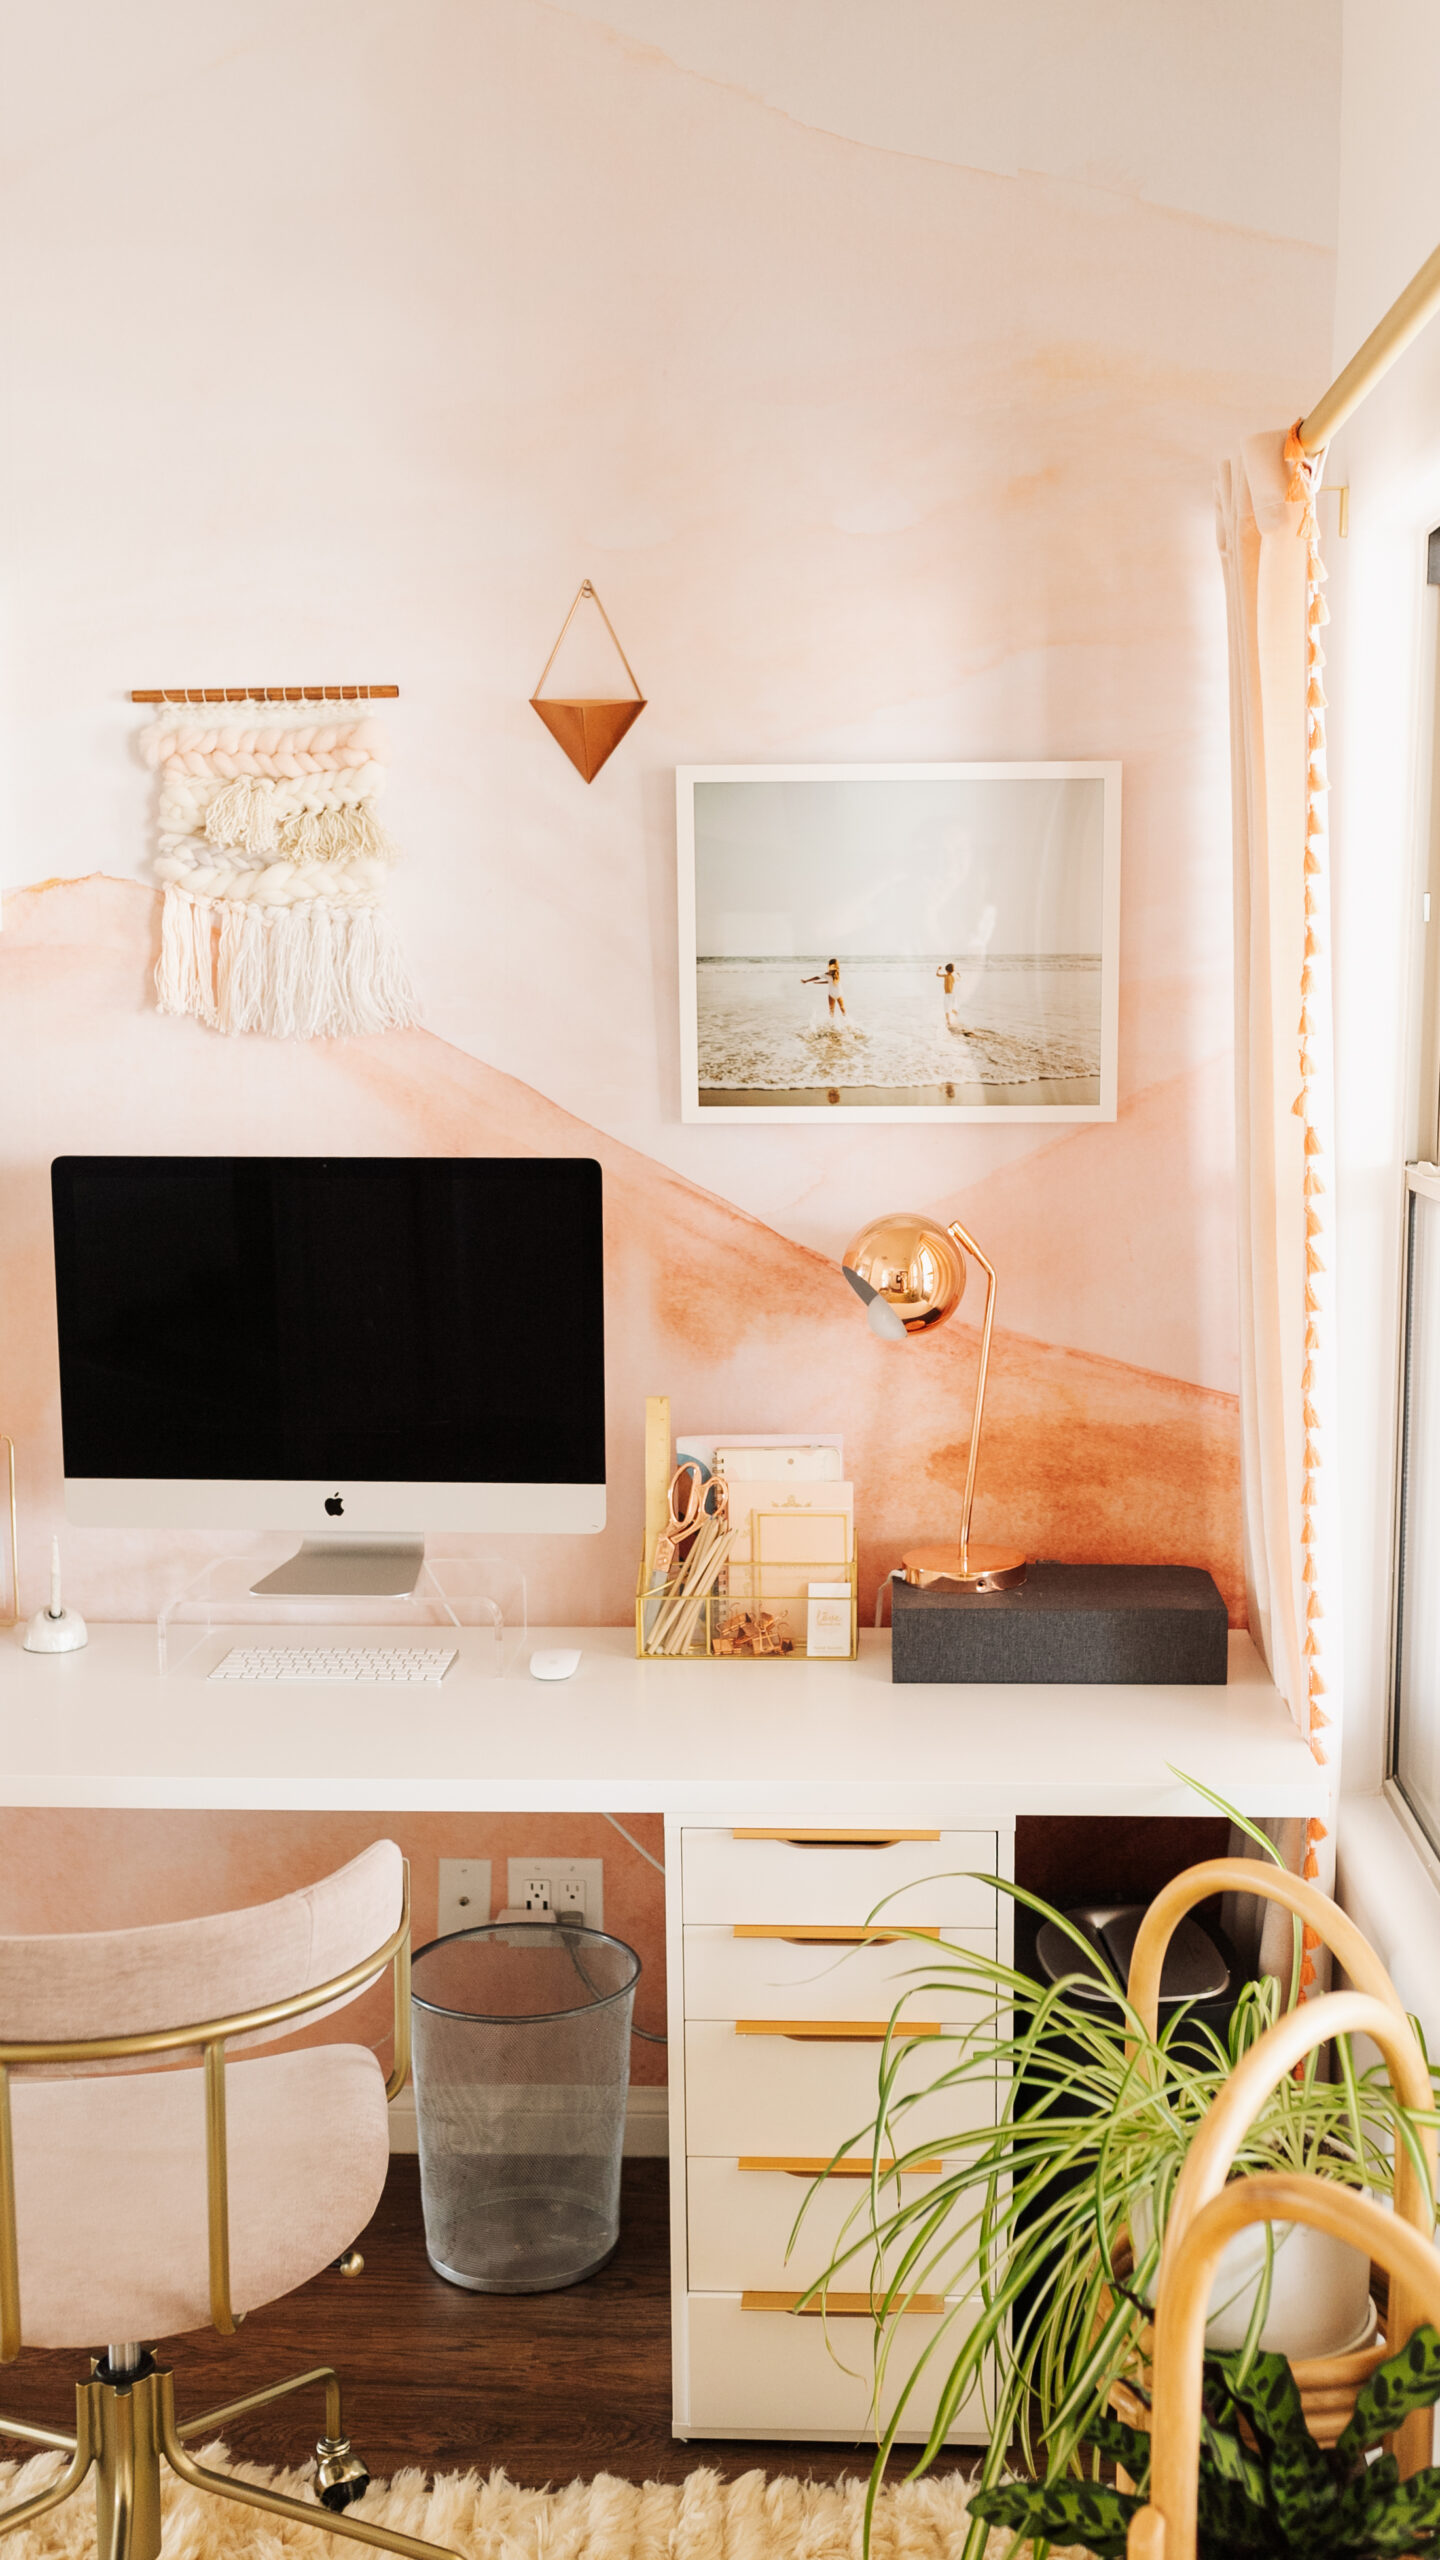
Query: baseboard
x=647 y=2123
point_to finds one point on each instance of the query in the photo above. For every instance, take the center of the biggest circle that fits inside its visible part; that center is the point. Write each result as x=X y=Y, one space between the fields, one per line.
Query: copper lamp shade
x=910 y=1275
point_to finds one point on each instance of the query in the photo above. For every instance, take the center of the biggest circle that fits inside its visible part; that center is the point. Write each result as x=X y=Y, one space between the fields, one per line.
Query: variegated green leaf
x=1410 y=2379
x=1127 y=2445
x=1386 y=2516
x=1083 y=2511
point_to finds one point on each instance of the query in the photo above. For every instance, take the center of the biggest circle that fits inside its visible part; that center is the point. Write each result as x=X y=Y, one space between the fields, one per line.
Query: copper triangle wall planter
x=588 y=726
x=589 y=731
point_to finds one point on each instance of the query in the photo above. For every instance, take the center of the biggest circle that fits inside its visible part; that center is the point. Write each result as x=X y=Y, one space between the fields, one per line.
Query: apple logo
x=334 y=1506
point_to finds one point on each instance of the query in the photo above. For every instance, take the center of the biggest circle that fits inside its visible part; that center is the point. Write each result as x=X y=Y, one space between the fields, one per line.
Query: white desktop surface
x=808 y=1742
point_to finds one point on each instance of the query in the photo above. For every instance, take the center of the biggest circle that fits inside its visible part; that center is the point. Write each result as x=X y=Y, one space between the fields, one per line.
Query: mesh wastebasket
x=522 y=2061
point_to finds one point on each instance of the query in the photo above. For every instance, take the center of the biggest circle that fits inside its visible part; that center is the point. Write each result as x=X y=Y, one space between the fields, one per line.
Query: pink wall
x=875 y=366
x=87 y=1870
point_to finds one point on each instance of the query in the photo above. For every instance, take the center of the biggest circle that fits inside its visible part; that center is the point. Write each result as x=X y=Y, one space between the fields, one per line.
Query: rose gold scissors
x=693 y=1496
x=686 y=1503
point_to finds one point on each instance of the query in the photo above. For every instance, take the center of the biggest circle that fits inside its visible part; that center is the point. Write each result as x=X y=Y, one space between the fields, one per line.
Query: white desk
x=716 y=1748
x=814 y=1743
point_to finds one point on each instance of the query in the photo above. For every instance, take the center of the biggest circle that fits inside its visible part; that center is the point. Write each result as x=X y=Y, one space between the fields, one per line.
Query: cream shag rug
x=487 y=2518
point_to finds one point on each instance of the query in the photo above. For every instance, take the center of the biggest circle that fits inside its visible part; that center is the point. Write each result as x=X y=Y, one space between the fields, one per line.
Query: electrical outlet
x=569 y=1888
x=464 y=1900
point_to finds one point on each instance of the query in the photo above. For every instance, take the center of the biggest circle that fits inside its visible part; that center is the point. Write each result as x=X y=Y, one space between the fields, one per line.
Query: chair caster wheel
x=340 y=2475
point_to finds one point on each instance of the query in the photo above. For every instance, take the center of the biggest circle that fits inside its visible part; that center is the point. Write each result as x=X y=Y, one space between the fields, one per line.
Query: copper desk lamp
x=910 y=1275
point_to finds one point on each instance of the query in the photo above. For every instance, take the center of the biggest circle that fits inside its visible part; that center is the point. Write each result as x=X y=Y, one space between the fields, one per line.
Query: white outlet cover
x=589 y=1872
x=464 y=1895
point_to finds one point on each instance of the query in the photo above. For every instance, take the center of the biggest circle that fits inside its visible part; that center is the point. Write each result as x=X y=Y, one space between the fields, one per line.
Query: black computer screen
x=403 y=1320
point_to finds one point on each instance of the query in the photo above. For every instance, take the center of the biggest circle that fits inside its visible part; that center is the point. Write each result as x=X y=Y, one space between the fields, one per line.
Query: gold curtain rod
x=267 y=693
x=1389 y=338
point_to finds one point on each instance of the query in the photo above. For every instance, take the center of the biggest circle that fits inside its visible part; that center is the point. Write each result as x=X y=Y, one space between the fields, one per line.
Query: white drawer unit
x=931 y=1877
x=746 y=2370
x=747 y=2092
x=786 y=1970
x=747 y=1969
x=742 y=2223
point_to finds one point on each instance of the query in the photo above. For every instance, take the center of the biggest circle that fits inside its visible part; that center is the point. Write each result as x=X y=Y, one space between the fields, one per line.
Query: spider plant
x=1048 y=2219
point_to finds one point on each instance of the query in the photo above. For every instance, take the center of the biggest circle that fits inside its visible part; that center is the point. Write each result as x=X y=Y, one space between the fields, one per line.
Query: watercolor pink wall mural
x=884 y=417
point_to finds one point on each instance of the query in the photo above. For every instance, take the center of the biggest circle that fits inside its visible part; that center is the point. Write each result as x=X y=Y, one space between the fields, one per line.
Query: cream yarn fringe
x=700 y=2518
x=272 y=859
x=303 y=972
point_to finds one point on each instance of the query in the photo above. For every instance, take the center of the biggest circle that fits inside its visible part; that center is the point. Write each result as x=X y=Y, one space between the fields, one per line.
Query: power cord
x=638 y=1845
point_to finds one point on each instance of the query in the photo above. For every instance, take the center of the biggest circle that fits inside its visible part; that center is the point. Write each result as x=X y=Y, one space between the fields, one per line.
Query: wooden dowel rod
x=268 y=693
x=1388 y=339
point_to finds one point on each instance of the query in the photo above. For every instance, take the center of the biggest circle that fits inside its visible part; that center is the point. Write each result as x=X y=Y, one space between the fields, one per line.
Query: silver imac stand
x=376 y=1568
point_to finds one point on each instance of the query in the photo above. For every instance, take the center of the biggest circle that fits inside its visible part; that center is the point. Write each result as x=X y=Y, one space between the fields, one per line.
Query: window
x=1416 y=1752
x=1415 y=1718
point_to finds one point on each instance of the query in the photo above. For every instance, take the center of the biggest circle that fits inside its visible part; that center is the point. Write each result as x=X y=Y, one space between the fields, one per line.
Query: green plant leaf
x=1129 y=2446
x=1303 y=2485
x=1389 y=2517
x=1269 y=2395
x=1410 y=2379
x=1231 y=2527
x=1083 y=2511
x=1261 y=1839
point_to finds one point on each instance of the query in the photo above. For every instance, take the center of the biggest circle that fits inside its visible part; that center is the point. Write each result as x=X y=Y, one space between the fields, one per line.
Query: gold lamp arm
x=964 y=1238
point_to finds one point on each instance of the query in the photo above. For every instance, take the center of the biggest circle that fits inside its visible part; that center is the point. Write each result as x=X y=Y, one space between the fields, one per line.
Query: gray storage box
x=1072 y=1622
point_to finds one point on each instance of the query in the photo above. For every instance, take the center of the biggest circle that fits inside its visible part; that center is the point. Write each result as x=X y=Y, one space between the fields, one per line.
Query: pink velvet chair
x=151 y=2183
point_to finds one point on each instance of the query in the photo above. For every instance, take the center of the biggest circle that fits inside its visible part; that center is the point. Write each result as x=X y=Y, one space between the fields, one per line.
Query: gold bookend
x=588 y=726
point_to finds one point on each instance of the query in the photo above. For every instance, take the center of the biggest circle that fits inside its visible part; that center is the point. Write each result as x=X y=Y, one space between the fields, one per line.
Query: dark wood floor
x=551 y=2387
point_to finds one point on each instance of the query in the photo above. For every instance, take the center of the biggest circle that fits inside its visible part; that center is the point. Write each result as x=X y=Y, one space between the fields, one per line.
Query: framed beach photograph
x=899 y=941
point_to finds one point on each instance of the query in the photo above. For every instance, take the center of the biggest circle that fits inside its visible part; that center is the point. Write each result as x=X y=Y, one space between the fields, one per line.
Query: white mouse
x=559 y=1664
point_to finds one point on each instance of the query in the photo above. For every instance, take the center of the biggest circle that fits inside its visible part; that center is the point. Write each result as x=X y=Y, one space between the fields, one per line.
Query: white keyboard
x=379 y=1662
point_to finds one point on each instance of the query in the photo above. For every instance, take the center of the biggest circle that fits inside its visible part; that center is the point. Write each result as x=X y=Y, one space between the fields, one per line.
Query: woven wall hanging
x=273 y=860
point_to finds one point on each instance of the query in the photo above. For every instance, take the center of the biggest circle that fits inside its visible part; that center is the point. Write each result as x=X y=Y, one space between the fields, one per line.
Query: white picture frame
x=1010 y=871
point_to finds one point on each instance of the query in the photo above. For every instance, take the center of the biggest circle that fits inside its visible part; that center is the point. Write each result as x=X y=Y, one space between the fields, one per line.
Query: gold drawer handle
x=790 y=2168
x=825 y=1935
x=838 y=2306
x=864 y=1839
x=834 y=2030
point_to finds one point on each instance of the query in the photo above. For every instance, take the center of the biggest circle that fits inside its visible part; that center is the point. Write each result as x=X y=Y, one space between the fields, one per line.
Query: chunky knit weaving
x=273 y=858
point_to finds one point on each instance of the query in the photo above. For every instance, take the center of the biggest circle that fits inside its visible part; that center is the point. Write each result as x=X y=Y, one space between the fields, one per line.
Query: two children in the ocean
x=829 y=979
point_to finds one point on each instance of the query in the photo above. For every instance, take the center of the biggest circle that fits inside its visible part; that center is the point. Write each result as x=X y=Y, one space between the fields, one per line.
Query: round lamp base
x=972 y=1568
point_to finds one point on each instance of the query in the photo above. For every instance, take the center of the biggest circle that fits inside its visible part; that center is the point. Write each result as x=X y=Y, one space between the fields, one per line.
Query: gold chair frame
x=125 y=2423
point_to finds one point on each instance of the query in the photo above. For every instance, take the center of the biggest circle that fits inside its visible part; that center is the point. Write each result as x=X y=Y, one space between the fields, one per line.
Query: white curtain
x=1281 y=931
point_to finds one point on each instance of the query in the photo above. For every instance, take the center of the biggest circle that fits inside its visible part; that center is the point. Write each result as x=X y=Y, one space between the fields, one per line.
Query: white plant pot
x=1319 y=2290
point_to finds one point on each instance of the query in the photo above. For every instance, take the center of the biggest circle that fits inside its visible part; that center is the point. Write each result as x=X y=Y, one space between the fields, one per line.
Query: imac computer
x=357 y=1348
